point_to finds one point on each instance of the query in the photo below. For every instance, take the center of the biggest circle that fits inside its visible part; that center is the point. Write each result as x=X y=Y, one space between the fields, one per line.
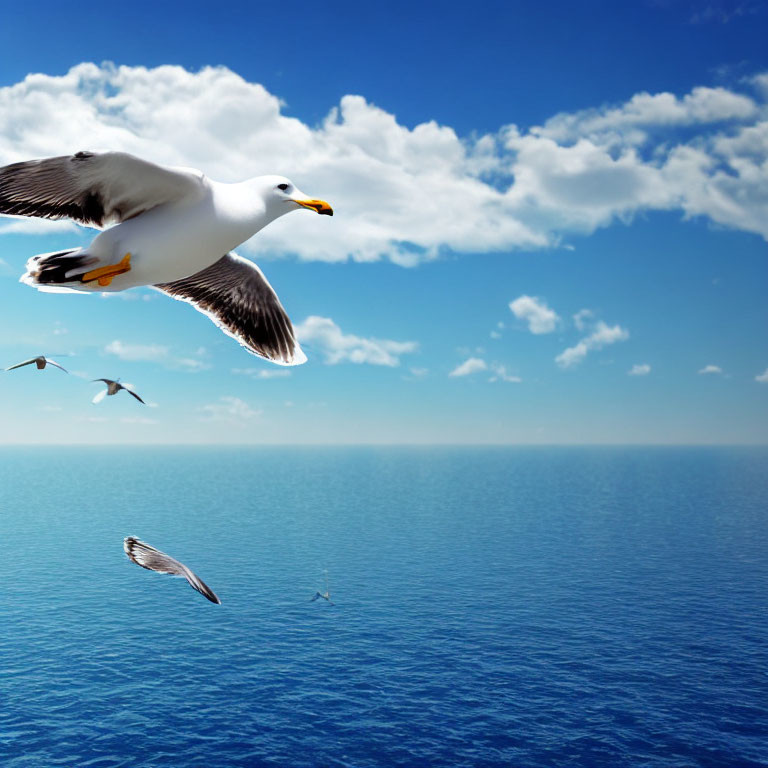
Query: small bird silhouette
x=40 y=362
x=113 y=387
x=325 y=595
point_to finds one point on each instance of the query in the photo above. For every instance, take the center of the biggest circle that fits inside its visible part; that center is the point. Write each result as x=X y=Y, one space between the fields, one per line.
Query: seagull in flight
x=113 y=387
x=40 y=362
x=152 y=559
x=324 y=595
x=173 y=229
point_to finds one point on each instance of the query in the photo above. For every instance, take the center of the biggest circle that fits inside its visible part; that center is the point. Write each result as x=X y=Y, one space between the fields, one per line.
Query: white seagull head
x=281 y=196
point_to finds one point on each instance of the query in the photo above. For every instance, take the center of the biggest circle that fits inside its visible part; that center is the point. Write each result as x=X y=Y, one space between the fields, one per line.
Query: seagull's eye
x=282 y=186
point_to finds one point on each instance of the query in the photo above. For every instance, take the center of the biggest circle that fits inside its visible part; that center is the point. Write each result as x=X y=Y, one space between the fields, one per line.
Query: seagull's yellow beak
x=320 y=206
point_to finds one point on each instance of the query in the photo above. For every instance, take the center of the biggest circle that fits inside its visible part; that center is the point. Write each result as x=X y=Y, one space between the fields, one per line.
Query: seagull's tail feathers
x=59 y=272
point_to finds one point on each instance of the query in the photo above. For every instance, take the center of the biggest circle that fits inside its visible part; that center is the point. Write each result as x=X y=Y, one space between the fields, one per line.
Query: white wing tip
x=299 y=358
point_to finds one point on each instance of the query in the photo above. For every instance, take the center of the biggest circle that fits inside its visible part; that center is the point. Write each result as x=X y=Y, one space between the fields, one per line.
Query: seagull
x=40 y=362
x=175 y=230
x=324 y=595
x=152 y=559
x=113 y=387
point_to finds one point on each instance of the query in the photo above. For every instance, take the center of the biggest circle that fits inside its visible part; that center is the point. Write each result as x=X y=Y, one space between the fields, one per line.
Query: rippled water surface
x=494 y=607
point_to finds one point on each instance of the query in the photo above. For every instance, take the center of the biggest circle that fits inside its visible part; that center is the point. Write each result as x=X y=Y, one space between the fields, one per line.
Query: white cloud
x=326 y=337
x=762 y=377
x=469 y=366
x=153 y=353
x=419 y=373
x=137 y=352
x=601 y=337
x=581 y=318
x=540 y=318
x=229 y=408
x=500 y=374
x=642 y=369
x=645 y=111
x=189 y=364
x=407 y=193
x=262 y=373
x=711 y=369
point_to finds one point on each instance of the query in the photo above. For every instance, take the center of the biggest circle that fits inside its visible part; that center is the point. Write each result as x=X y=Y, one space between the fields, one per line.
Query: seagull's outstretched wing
x=234 y=293
x=154 y=560
x=93 y=188
x=131 y=392
x=99 y=396
x=20 y=365
x=317 y=595
x=54 y=363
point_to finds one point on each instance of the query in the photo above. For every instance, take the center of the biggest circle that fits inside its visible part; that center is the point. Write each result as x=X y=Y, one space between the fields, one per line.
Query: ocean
x=492 y=607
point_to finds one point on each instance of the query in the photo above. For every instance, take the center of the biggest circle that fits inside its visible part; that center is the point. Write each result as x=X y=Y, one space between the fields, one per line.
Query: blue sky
x=550 y=227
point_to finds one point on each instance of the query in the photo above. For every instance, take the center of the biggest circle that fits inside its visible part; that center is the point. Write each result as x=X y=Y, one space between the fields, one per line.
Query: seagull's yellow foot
x=105 y=274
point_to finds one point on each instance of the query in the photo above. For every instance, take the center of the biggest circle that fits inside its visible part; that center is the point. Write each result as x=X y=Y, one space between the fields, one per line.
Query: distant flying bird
x=153 y=559
x=324 y=595
x=113 y=387
x=40 y=362
x=175 y=229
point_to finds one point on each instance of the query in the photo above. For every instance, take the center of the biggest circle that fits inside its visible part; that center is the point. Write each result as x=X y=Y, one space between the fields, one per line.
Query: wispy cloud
x=710 y=369
x=576 y=172
x=762 y=377
x=500 y=374
x=601 y=337
x=154 y=353
x=540 y=318
x=469 y=366
x=338 y=347
x=262 y=373
x=137 y=352
x=582 y=318
x=641 y=369
x=229 y=408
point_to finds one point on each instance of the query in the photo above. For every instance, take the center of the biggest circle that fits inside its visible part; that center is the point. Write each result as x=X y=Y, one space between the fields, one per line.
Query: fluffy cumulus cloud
x=323 y=335
x=403 y=193
x=469 y=366
x=602 y=336
x=709 y=370
x=534 y=311
x=640 y=369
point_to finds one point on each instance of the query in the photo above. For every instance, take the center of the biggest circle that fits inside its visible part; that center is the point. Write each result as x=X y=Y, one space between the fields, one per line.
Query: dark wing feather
x=234 y=293
x=93 y=189
x=154 y=560
x=130 y=392
x=20 y=365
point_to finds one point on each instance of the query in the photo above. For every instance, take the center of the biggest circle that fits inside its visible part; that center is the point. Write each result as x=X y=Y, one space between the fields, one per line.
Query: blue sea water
x=493 y=607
